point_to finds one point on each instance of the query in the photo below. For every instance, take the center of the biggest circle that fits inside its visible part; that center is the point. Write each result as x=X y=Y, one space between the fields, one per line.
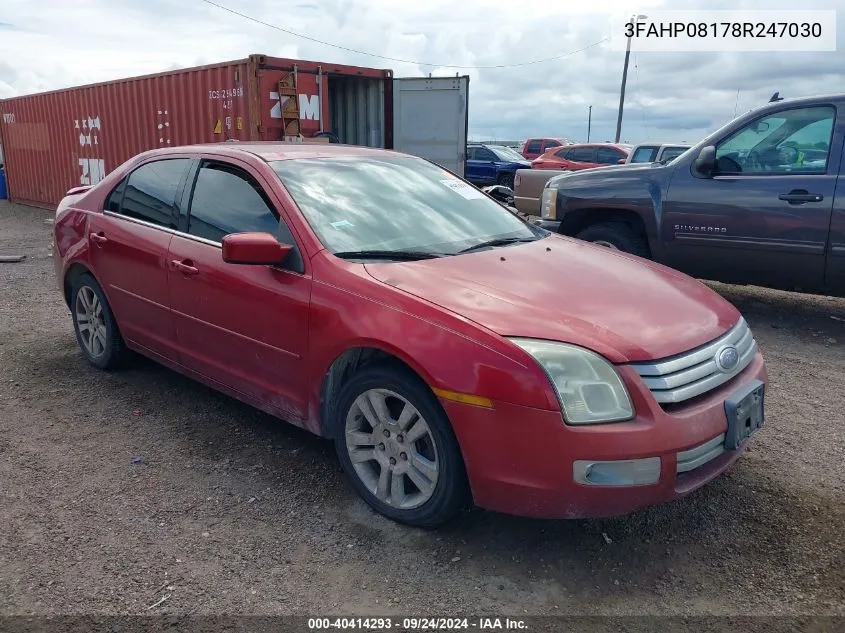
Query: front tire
x=397 y=447
x=617 y=236
x=95 y=326
x=506 y=180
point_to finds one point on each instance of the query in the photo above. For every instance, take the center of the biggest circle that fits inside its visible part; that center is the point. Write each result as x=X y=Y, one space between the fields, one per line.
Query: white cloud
x=54 y=44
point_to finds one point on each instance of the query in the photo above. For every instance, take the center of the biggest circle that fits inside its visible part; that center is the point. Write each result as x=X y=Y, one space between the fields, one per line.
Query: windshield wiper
x=409 y=256
x=499 y=241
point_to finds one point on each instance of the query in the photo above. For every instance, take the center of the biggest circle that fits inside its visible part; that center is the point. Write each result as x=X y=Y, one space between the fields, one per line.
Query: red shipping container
x=57 y=140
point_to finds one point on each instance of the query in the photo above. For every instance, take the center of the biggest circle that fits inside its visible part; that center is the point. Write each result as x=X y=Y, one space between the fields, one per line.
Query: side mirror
x=706 y=161
x=254 y=248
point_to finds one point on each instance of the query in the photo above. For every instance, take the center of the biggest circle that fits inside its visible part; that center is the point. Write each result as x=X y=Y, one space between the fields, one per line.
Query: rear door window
x=608 y=156
x=533 y=147
x=152 y=192
x=581 y=155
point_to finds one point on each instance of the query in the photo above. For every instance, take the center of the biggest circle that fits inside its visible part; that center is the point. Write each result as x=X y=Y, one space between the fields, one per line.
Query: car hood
x=562 y=289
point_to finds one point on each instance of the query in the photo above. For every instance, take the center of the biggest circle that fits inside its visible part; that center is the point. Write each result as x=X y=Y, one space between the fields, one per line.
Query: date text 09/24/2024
x=726 y=31
x=417 y=624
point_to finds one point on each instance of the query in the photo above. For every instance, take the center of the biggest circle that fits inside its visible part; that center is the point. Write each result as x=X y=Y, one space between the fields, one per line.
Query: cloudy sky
x=671 y=96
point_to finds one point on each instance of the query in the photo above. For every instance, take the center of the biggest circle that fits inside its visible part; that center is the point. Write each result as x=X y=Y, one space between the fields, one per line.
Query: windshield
x=381 y=203
x=506 y=153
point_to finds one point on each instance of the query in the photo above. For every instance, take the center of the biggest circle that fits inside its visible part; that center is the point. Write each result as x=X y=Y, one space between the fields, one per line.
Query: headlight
x=588 y=387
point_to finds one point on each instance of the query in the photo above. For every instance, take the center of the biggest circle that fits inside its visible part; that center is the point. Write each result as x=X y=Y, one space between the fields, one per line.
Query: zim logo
x=309 y=106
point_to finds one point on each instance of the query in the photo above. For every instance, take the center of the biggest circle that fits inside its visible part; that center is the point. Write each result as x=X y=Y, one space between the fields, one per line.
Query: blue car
x=493 y=164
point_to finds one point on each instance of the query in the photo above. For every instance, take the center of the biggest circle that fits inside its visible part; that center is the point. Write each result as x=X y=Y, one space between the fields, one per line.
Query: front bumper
x=522 y=460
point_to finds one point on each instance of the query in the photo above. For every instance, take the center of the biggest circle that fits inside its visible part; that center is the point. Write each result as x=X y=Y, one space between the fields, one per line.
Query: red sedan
x=453 y=352
x=575 y=157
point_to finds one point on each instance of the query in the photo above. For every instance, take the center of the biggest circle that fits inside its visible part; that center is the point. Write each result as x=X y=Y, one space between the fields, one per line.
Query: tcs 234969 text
x=724 y=30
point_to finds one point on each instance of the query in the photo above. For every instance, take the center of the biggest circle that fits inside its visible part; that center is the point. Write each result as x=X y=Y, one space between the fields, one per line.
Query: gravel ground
x=120 y=489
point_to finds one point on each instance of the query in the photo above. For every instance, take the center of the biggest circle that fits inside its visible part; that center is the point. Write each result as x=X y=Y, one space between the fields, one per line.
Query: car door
x=472 y=169
x=486 y=161
x=763 y=215
x=243 y=326
x=129 y=245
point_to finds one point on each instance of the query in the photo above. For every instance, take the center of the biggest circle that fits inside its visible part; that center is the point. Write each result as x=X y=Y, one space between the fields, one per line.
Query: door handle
x=99 y=238
x=800 y=196
x=185 y=267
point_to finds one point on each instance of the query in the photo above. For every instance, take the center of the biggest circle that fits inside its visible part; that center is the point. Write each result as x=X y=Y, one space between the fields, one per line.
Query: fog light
x=629 y=472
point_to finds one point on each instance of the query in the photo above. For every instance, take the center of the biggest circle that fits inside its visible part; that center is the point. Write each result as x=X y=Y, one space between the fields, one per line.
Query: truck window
x=482 y=153
x=646 y=154
x=791 y=141
x=551 y=144
x=533 y=147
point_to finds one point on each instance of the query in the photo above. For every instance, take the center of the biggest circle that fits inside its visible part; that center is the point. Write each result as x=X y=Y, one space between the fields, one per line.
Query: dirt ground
x=120 y=489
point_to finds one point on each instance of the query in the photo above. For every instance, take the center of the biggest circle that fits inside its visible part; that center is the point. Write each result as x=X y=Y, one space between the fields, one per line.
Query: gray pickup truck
x=760 y=201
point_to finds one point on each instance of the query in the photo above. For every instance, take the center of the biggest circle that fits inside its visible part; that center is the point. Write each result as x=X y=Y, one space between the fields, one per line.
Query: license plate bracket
x=745 y=413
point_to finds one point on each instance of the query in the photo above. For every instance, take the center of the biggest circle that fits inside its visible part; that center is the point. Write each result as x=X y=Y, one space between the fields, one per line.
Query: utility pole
x=625 y=80
x=589 y=121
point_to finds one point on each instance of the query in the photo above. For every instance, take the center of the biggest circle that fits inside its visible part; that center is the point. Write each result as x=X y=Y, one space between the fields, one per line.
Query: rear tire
x=617 y=236
x=506 y=180
x=95 y=326
x=397 y=447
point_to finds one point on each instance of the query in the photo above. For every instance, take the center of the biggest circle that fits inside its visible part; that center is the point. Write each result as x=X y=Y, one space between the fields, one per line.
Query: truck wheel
x=506 y=180
x=617 y=236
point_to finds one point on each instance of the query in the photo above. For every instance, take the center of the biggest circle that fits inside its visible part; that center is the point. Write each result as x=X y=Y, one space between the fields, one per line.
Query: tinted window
x=608 y=156
x=785 y=142
x=533 y=147
x=671 y=153
x=228 y=200
x=562 y=153
x=482 y=153
x=581 y=154
x=551 y=144
x=152 y=190
x=470 y=153
x=115 y=198
x=645 y=155
x=386 y=202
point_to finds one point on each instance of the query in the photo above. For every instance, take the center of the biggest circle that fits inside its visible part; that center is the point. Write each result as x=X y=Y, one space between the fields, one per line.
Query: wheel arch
x=351 y=360
x=74 y=271
x=576 y=221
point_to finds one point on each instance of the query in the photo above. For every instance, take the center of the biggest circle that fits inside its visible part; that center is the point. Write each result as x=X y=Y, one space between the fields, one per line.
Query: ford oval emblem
x=727 y=359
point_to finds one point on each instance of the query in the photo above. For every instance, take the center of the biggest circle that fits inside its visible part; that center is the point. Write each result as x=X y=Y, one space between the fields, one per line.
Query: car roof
x=275 y=150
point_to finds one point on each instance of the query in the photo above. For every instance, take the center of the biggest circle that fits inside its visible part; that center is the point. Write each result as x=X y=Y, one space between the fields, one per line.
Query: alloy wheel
x=91 y=322
x=392 y=449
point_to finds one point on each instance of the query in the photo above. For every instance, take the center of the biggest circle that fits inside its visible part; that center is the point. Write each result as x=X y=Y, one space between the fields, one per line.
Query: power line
x=640 y=98
x=397 y=59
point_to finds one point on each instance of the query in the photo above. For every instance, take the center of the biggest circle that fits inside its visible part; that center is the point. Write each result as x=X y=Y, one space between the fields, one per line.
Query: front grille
x=679 y=378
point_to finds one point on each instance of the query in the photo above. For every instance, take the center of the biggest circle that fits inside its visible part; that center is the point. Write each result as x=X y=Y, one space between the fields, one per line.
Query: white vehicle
x=656 y=152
